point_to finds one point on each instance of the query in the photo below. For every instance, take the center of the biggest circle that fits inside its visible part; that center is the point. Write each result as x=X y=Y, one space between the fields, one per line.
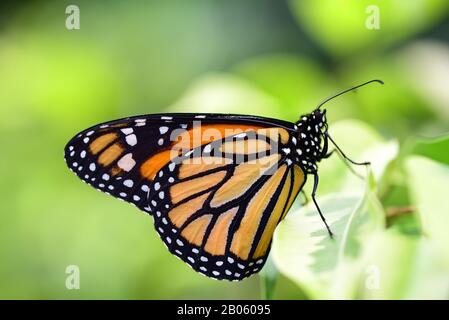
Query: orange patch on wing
x=272 y=222
x=110 y=154
x=188 y=188
x=274 y=133
x=181 y=213
x=115 y=171
x=155 y=163
x=194 y=232
x=203 y=134
x=245 y=175
x=245 y=146
x=190 y=167
x=102 y=142
x=298 y=181
x=118 y=125
x=244 y=236
x=216 y=242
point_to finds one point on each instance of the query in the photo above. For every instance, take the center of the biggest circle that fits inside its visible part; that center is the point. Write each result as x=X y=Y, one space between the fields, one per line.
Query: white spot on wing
x=131 y=139
x=129 y=183
x=207 y=148
x=127 y=162
x=127 y=130
x=163 y=130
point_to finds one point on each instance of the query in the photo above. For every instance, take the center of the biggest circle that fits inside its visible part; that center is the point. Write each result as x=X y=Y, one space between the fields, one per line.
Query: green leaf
x=429 y=185
x=383 y=270
x=268 y=277
x=303 y=251
x=435 y=149
x=430 y=278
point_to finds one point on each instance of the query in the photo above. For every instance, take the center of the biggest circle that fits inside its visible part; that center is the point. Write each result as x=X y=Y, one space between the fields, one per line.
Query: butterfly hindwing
x=218 y=212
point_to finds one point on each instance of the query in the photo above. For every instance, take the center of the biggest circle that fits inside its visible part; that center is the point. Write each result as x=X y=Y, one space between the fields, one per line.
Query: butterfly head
x=311 y=132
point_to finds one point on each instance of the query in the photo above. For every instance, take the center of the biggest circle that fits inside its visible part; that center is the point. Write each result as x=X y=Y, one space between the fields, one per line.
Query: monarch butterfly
x=216 y=185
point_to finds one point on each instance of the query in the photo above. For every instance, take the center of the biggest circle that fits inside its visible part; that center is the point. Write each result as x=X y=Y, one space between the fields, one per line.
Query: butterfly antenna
x=347 y=90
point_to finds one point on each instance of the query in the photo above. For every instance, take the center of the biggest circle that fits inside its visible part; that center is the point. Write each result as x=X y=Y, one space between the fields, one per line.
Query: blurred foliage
x=370 y=259
x=270 y=58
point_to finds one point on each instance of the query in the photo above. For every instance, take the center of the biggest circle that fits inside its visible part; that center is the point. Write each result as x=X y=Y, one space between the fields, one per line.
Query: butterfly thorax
x=311 y=143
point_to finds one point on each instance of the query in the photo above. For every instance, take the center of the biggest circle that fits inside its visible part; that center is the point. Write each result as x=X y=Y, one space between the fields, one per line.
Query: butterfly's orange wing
x=216 y=187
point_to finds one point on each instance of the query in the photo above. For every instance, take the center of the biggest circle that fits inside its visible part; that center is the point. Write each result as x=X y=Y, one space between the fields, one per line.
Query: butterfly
x=216 y=185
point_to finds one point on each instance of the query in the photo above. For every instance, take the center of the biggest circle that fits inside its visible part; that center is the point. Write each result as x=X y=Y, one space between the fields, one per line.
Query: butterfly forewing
x=110 y=156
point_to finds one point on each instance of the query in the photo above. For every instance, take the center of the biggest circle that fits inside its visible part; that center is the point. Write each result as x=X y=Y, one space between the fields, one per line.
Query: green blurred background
x=269 y=58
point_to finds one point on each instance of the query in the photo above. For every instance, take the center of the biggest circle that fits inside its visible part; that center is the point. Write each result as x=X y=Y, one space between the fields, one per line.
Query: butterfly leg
x=344 y=155
x=315 y=186
x=345 y=161
x=329 y=154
